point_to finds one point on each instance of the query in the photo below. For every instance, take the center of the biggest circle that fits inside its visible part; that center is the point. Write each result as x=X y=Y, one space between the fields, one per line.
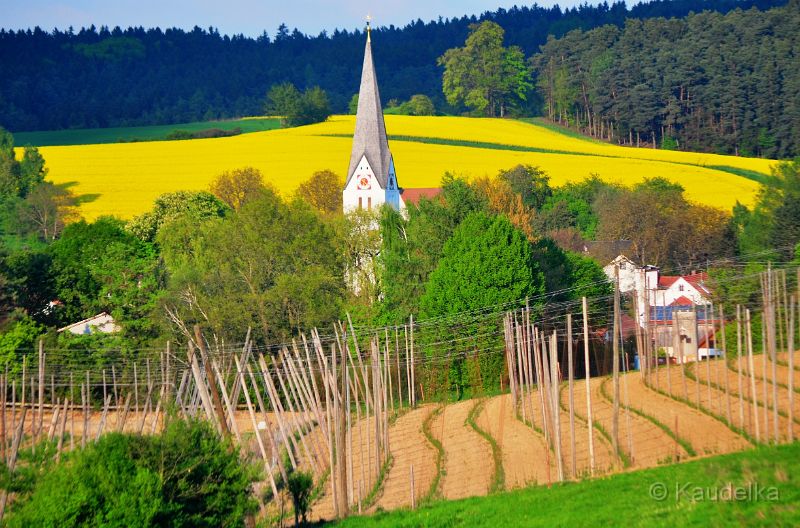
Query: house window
x=369 y=202
x=360 y=205
x=680 y=287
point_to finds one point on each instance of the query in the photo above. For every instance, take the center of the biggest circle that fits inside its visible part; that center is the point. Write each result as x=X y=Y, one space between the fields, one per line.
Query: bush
x=185 y=476
x=300 y=486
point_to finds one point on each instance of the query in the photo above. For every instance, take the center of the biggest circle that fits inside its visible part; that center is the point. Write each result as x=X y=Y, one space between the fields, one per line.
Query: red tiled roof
x=413 y=196
x=695 y=279
x=682 y=301
x=665 y=281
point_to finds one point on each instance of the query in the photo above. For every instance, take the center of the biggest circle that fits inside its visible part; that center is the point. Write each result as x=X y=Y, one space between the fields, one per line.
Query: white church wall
x=364 y=186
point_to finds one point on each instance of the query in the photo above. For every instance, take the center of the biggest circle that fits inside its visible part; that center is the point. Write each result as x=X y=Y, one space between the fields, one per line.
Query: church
x=371 y=176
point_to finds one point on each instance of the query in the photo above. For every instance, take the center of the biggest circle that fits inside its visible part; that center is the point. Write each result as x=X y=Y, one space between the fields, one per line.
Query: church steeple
x=369 y=139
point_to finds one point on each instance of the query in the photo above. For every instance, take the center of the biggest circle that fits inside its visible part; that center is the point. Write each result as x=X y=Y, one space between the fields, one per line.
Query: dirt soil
x=705 y=434
x=523 y=450
x=408 y=447
x=468 y=457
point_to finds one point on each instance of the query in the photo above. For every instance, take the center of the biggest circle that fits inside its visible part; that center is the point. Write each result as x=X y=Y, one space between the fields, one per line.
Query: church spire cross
x=368 y=18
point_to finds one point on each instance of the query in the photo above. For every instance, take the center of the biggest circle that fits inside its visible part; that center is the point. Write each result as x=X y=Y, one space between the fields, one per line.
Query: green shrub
x=300 y=486
x=185 y=476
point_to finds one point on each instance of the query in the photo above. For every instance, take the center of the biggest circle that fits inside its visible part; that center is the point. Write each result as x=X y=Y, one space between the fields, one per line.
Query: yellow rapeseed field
x=129 y=176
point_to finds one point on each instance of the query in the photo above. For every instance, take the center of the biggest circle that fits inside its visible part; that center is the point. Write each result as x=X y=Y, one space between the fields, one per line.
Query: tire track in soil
x=469 y=465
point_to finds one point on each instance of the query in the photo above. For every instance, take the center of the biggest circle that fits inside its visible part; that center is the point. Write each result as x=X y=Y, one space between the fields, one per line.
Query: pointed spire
x=369 y=138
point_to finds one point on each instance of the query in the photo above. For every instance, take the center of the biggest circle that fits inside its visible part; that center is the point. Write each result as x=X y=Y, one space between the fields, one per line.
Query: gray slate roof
x=370 y=135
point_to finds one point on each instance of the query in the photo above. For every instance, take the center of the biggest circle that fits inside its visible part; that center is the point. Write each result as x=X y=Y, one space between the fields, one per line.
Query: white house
x=371 y=176
x=628 y=273
x=101 y=323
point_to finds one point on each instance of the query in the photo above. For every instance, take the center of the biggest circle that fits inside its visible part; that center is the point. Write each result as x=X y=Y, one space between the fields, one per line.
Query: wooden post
x=12 y=459
x=413 y=366
x=41 y=388
x=71 y=412
x=275 y=401
x=388 y=370
x=413 y=494
x=3 y=418
x=708 y=353
x=554 y=374
x=677 y=448
x=724 y=364
x=103 y=417
x=753 y=392
x=397 y=364
x=114 y=381
x=764 y=353
x=212 y=384
x=571 y=373
x=790 y=341
x=739 y=363
x=259 y=440
x=615 y=364
x=590 y=421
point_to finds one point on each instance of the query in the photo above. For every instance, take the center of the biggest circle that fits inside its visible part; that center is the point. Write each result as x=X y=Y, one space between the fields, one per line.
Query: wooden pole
x=590 y=421
x=753 y=392
x=259 y=440
x=571 y=373
x=413 y=366
x=554 y=373
x=615 y=364
x=724 y=363
x=413 y=494
x=12 y=462
x=3 y=418
x=739 y=364
x=268 y=428
x=212 y=384
x=42 y=360
x=790 y=342
x=388 y=371
x=114 y=381
x=397 y=362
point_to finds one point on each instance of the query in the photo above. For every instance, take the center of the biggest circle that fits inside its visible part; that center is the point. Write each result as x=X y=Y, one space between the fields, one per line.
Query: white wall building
x=101 y=323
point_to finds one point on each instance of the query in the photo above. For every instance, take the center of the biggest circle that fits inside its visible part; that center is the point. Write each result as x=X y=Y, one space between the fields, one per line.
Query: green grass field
x=91 y=136
x=760 y=487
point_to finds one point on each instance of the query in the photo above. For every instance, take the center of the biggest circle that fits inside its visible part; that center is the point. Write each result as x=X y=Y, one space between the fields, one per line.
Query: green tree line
x=708 y=82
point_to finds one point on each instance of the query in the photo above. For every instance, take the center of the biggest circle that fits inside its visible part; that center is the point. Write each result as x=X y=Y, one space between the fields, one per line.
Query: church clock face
x=364 y=183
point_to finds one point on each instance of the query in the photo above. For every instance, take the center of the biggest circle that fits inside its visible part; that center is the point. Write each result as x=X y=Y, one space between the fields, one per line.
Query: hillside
x=626 y=500
x=102 y=77
x=127 y=177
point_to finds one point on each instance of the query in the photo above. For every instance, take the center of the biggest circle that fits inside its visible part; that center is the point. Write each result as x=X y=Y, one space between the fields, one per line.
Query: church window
x=360 y=205
x=369 y=202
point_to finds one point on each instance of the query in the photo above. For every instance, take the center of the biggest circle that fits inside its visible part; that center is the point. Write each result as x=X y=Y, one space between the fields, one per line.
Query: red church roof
x=413 y=196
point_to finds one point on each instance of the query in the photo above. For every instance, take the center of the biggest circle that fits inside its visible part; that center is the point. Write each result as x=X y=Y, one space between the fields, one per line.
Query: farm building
x=671 y=306
x=101 y=323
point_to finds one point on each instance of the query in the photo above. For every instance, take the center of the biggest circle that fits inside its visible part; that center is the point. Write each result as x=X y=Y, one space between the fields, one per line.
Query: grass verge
x=499 y=476
x=759 y=487
x=434 y=492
